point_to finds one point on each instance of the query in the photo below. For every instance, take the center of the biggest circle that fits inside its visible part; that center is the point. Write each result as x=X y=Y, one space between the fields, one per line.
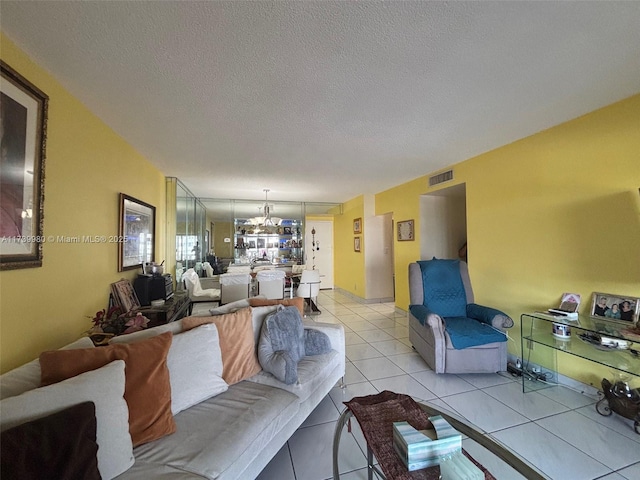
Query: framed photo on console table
x=621 y=308
x=136 y=235
x=23 y=108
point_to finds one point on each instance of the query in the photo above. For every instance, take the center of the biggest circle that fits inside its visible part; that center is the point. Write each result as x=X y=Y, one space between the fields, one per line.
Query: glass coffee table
x=375 y=415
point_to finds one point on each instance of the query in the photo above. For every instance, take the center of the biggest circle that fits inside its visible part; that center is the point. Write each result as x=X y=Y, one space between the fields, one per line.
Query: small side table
x=173 y=309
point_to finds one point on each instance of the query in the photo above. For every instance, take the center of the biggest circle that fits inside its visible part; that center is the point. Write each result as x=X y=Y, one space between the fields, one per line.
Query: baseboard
x=364 y=301
x=400 y=311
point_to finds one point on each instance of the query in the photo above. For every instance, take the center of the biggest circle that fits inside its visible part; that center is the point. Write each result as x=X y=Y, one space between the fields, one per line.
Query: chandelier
x=265 y=218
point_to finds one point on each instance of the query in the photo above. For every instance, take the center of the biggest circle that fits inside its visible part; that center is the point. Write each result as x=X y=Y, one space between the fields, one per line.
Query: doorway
x=443 y=225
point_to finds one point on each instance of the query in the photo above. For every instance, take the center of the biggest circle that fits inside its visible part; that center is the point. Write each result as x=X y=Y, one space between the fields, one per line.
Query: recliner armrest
x=490 y=316
x=425 y=316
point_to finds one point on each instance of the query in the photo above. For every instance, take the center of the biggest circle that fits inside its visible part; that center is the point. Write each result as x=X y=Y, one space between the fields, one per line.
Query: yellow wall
x=555 y=212
x=349 y=274
x=221 y=231
x=87 y=165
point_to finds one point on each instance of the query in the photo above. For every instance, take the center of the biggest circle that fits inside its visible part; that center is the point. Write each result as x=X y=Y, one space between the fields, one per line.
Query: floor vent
x=441 y=178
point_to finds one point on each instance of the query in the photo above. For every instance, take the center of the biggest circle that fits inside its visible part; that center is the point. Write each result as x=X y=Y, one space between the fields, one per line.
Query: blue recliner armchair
x=446 y=327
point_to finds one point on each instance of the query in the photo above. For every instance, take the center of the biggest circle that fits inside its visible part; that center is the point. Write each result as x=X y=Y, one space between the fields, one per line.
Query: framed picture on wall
x=621 y=308
x=136 y=233
x=23 y=108
x=356 y=244
x=406 y=230
x=357 y=225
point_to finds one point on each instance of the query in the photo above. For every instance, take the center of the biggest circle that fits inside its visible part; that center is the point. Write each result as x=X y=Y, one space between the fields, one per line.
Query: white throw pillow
x=195 y=367
x=194 y=362
x=27 y=377
x=105 y=388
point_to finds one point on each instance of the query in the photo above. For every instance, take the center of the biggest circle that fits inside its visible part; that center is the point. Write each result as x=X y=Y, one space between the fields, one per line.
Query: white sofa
x=234 y=434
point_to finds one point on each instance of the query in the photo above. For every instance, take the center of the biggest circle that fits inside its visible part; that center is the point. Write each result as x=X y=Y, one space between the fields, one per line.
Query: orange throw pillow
x=147 y=388
x=237 y=344
x=297 y=302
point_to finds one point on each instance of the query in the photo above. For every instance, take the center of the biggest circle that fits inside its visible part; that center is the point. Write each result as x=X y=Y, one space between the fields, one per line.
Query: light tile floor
x=557 y=430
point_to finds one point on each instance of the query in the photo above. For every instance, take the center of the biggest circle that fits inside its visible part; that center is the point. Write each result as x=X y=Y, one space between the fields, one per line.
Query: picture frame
x=136 y=233
x=406 y=230
x=619 y=308
x=357 y=225
x=23 y=110
x=356 y=244
x=124 y=295
x=287 y=230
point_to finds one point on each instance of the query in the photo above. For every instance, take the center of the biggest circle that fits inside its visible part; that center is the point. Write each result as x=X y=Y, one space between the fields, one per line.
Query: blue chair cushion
x=444 y=292
x=482 y=313
x=420 y=312
x=467 y=332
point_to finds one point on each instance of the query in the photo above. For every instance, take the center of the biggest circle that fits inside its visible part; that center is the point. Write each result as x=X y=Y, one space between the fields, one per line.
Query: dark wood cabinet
x=173 y=309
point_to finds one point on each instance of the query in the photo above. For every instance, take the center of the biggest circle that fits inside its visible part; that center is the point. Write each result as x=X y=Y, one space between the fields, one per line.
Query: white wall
x=443 y=223
x=324 y=254
x=379 y=257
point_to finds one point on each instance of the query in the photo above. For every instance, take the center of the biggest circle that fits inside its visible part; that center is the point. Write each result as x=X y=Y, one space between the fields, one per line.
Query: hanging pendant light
x=266 y=211
x=266 y=219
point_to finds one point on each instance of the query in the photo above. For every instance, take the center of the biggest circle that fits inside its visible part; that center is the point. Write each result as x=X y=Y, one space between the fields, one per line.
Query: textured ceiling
x=323 y=101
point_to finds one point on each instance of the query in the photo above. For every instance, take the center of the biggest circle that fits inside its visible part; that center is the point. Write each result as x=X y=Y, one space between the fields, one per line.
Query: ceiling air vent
x=441 y=178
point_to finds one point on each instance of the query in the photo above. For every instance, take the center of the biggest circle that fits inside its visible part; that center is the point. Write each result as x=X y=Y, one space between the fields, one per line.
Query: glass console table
x=537 y=329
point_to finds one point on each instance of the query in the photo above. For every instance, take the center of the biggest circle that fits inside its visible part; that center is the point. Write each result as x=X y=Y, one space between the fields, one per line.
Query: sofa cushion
x=199 y=346
x=230 y=307
x=148 y=387
x=239 y=359
x=312 y=371
x=115 y=451
x=61 y=445
x=28 y=376
x=467 y=332
x=220 y=437
x=444 y=291
x=297 y=302
x=281 y=344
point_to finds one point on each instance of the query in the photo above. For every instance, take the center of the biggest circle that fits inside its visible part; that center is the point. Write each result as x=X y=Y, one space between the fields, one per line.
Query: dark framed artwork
x=23 y=131
x=356 y=244
x=406 y=230
x=136 y=233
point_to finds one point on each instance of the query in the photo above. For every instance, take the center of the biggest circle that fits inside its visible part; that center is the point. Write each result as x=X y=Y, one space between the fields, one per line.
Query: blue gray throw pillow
x=281 y=344
x=284 y=341
x=316 y=342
